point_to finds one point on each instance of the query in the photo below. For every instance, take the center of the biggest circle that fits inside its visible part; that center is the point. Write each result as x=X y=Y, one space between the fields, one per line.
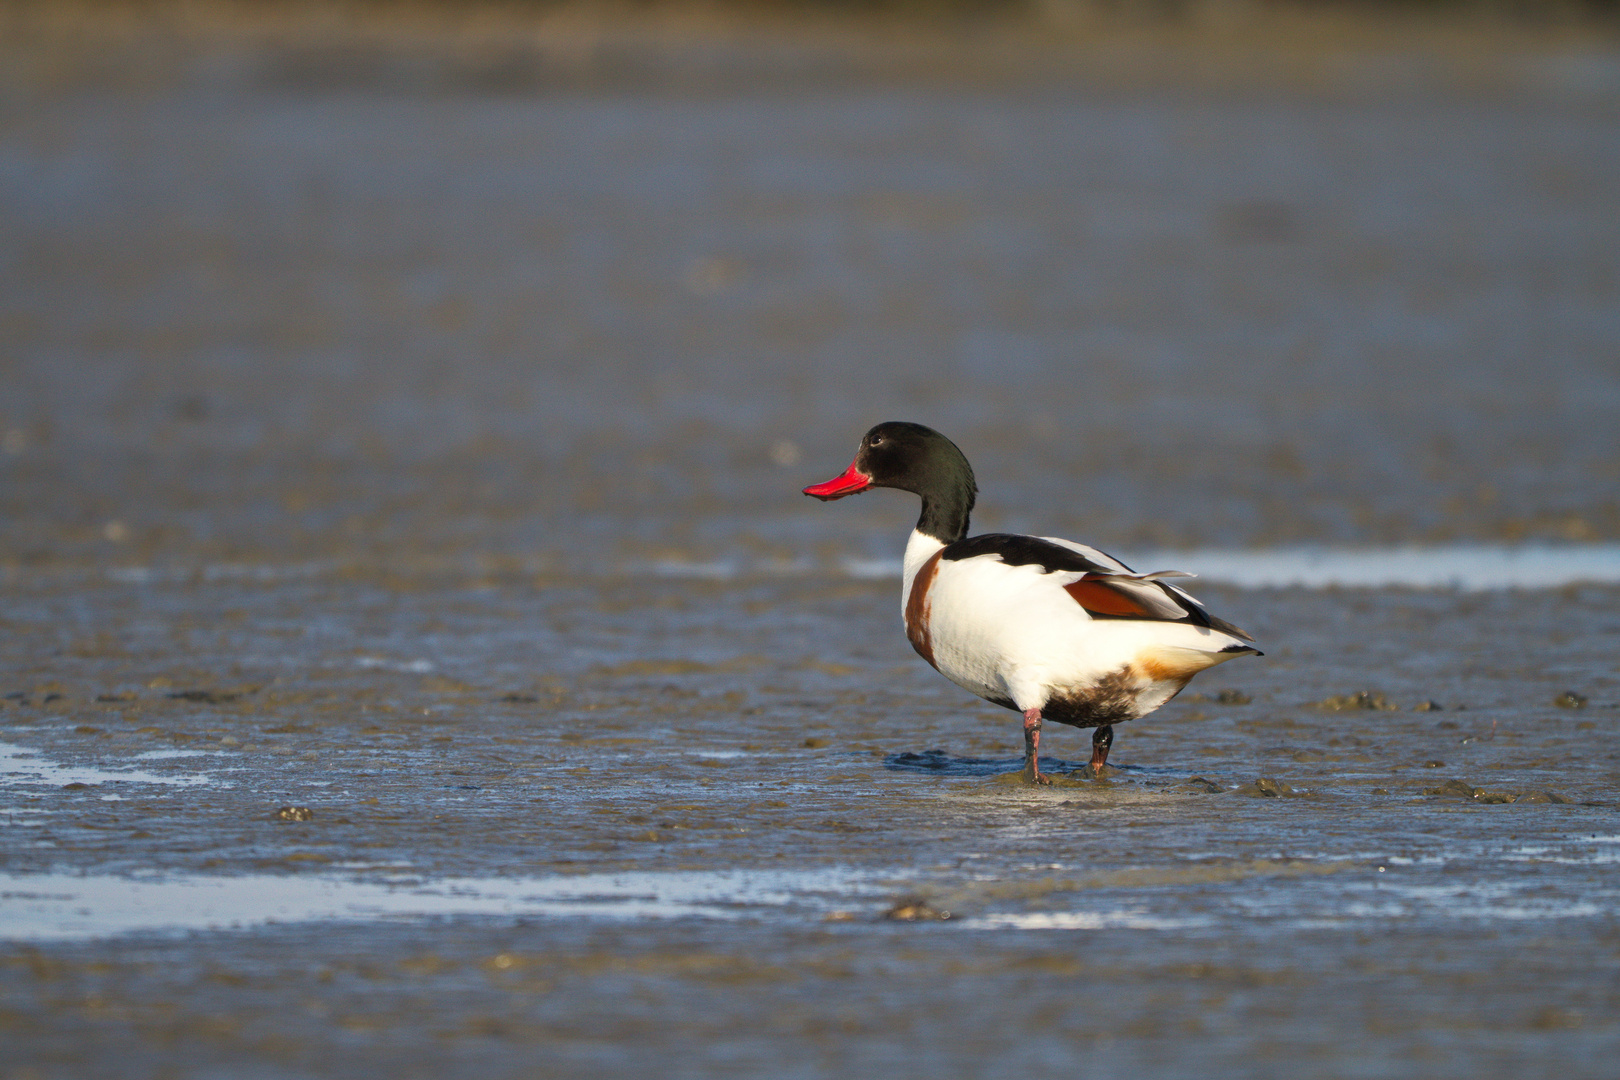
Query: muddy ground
x=416 y=657
x=446 y=734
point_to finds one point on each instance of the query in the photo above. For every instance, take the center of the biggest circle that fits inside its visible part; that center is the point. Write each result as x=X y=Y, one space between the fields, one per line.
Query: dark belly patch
x=1110 y=700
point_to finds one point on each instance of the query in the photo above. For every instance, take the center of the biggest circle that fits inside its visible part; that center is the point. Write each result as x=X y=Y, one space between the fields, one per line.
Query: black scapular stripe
x=1016 y=550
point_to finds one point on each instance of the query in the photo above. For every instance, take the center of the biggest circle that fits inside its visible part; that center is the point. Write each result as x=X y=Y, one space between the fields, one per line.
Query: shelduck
x=1050 y=628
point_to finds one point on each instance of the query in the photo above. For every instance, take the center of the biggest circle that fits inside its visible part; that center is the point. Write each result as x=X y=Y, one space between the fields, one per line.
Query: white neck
x=919 y=548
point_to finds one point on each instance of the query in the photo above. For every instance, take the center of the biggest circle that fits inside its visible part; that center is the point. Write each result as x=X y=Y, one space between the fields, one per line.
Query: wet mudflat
x=415 y=656
x=582 y=827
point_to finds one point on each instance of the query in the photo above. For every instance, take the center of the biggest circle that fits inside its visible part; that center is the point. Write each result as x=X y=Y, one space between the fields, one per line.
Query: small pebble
x=1361 y=699
x=1459 y=788
x=208 y=697
x=1569 y=699
x=914 y=909
x=1266 y=788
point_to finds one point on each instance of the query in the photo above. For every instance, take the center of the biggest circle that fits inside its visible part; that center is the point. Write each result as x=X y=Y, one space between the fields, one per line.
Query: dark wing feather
x=1104 y=592
x=1017 y=550
x=1200 y=617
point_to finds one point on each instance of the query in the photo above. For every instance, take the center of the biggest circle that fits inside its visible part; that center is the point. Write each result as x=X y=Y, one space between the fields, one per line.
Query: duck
x=1046 y=627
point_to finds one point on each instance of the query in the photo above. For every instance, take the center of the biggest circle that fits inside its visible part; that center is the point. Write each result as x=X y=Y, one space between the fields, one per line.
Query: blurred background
x=588 y=284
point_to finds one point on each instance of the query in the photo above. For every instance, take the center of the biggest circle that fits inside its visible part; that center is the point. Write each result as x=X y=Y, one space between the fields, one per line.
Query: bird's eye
x=877 y=440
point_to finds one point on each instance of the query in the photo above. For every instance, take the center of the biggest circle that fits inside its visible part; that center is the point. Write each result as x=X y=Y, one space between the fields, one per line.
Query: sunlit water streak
x=57 y=907
x=22 y=767
x=1466 y=567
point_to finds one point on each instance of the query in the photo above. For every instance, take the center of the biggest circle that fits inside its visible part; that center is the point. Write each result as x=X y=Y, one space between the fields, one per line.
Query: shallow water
x=416 y=658
x=55 y=907
x=588 y=818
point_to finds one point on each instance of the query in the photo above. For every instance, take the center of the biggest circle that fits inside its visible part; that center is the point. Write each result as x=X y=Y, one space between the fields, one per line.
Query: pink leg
x=1032 y=747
